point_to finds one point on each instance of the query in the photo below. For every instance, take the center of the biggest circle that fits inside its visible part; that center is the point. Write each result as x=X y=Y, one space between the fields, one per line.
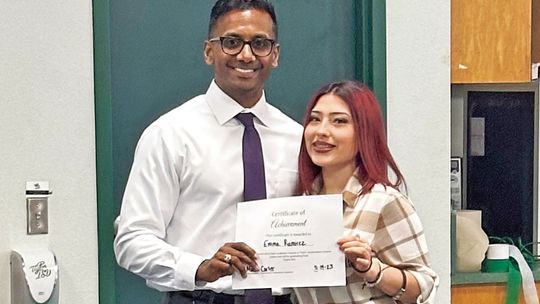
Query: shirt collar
x=350 y=193
x=225 y=108
x=352 y=189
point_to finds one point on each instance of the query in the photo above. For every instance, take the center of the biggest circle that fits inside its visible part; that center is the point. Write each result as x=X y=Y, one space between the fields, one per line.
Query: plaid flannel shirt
x=387 y=220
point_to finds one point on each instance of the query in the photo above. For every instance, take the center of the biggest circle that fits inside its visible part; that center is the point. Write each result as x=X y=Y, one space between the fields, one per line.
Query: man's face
x=242 y=75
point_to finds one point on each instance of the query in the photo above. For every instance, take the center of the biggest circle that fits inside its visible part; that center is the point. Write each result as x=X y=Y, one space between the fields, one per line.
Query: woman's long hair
x=373 y=156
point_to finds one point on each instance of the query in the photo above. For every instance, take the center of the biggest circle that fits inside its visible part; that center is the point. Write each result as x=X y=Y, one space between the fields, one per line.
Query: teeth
x=244 y=70
x=322 y=145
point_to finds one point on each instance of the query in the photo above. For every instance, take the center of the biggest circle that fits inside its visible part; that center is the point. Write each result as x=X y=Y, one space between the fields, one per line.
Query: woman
x=344 y=151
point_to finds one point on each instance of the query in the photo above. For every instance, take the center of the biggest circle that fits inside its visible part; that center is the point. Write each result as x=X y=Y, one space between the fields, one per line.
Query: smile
x=322 y=147
x=244 y=71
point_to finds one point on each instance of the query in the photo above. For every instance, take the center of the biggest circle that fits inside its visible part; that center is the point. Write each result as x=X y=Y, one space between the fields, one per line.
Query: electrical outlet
x=37 y=215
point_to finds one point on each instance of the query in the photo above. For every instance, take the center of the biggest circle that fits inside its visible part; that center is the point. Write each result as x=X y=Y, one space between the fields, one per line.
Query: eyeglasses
x=261 y=47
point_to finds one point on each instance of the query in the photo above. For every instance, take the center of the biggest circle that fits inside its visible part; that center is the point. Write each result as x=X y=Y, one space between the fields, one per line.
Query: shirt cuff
x=186 y=269
x=425 y=284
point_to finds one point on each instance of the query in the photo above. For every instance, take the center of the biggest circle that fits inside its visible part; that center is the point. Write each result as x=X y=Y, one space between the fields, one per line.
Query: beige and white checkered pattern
x=386 y=219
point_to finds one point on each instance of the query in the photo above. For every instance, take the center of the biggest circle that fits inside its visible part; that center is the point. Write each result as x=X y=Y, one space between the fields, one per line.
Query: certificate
x=295 y=240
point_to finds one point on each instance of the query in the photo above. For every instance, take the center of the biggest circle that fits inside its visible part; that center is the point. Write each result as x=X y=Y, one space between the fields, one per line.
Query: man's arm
x=149 y=201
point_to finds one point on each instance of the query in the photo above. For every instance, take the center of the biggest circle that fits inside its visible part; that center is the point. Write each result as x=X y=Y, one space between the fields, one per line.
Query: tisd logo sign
x=40 y=270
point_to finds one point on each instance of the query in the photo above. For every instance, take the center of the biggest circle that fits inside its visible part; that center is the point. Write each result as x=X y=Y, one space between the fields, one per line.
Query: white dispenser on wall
x=34 y=277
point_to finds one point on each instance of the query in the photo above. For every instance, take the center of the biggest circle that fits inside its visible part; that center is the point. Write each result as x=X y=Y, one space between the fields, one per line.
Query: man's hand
x=229 y=258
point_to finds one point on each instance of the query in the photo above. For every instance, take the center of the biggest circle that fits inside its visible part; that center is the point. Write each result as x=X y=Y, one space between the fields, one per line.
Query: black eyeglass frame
x=273 y=43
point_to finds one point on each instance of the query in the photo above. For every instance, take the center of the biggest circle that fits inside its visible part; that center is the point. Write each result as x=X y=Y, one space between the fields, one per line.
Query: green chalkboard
x=148 y=60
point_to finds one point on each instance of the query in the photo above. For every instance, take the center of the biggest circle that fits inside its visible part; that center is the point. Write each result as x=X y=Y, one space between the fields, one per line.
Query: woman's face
x=330 y=136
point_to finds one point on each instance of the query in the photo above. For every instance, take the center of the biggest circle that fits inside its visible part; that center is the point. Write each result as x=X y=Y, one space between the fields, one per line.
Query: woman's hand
x=359 y=253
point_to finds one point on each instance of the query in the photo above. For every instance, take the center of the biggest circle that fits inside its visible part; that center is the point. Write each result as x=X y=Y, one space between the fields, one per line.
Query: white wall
x=47 y=133
x=418 y=78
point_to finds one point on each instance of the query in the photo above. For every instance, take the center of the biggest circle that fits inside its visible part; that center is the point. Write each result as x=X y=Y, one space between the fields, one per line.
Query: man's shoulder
x=183 y=112
x=284 y=120
x=176 y=120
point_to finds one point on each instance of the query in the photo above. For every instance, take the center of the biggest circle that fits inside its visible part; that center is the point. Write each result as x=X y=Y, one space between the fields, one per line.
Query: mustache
x=245 y=66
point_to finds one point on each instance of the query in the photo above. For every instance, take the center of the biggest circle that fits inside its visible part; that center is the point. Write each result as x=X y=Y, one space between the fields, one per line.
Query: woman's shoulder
x=382 y=189
x=389 y=195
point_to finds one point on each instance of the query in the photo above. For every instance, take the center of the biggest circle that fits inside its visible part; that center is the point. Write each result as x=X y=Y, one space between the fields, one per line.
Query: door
x=500 y=162
x=148 y=60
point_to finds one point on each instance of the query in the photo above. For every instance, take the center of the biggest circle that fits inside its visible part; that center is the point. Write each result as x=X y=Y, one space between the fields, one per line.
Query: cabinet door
x=479 y=294
x=491 y=41
x=492 y=293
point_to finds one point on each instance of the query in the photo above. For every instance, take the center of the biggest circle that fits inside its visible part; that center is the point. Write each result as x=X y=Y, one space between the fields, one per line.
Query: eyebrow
x=332 y=113
x=237 y=35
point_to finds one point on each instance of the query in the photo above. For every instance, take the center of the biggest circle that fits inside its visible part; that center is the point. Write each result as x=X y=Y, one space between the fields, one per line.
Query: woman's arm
x=393 y=281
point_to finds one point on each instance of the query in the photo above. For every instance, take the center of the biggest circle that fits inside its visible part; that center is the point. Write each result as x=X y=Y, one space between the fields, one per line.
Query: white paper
x=295 y=239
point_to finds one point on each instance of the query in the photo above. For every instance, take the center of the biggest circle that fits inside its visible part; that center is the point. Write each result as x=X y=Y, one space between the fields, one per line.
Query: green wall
x=148 y=60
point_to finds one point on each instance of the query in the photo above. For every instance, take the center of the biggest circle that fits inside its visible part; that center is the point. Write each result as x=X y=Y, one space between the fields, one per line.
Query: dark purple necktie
x=252 y=157
x=254 y=188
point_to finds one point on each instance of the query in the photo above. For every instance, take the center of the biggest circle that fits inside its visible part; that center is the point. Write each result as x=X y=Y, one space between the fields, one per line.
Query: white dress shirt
x=179 y=205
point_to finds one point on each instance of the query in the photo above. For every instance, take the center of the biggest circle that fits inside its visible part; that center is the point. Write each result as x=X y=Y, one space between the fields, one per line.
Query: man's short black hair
x=222 y=7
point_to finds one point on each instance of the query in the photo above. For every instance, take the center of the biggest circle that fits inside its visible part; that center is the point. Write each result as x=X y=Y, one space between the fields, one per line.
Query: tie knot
x=245 y=118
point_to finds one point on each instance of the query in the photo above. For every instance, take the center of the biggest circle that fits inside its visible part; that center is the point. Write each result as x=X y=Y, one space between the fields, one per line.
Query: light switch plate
x=37 y=215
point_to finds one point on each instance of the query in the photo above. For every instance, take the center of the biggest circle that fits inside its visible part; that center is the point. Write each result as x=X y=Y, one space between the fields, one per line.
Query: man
x=178 y=213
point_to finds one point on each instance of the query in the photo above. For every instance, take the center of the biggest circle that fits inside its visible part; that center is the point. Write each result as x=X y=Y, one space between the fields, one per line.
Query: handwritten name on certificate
x=295 y=239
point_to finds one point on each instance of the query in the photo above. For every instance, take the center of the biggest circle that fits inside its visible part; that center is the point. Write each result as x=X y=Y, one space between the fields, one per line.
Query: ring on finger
x=227 y=258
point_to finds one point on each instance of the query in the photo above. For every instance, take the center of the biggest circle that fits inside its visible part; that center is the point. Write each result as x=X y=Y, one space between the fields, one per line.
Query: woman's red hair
x=373 y=156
